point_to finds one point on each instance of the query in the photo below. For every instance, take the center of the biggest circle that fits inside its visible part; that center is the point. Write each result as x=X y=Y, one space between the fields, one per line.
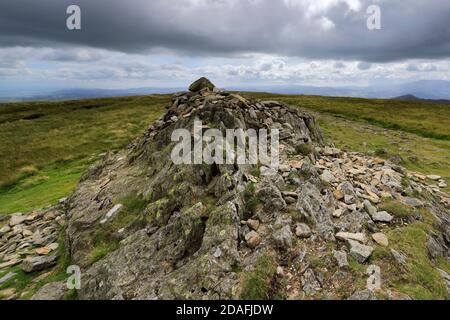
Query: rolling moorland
x=47 y=146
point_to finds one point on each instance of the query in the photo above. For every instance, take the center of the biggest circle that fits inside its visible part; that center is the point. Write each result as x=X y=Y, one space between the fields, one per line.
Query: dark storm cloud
x=326 y=29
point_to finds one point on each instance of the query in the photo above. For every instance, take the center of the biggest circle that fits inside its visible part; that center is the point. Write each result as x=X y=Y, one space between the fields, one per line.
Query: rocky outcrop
x=184 y=231
x=142 y=227
x=187 y=238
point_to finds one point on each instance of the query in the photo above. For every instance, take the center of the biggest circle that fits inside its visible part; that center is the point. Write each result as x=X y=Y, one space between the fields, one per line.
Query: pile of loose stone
x=31 y=241
x=355 y=184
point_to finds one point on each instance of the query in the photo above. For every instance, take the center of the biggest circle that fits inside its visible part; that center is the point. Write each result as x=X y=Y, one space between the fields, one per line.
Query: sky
x=170 y=43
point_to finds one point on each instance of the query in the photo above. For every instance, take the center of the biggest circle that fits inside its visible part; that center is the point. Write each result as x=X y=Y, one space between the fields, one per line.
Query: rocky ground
x=327 y=225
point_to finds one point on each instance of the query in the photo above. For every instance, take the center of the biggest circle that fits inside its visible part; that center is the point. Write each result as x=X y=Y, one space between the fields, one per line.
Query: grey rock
x=283 y=234
x=16 y=219
x=359 y=251
x=317 y=208
x=4 y=230
x=345 y=236
x=200 y=84
x=217 y=253
x=382 y=216
x=51 y=291
x=38 y=263
x=436 y=247
x=328 y=177
x=310 y=283
x=364 y=295
x=302 y=230
x=370 y=209
x=112 y=213
x=341 y=258
x=7 y=277
x=272 y=198
x=400 y=257
x=413 y=202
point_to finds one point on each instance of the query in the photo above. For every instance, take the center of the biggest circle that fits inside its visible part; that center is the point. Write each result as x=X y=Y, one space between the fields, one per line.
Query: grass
x=418 y=278
x=396 y=208
x=421 y=281
x=47 y=145
x=257 y=283
x=304 y=149
x=251 y=200
x=46 y=187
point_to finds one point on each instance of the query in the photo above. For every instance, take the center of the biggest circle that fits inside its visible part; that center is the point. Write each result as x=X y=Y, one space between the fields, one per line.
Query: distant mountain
x=102 y=93
x=424 y=89
x=436 y=90
x=410 y=97
x=75 y=94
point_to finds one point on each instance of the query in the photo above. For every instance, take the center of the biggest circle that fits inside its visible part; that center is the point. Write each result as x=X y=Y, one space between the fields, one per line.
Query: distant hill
x=425 y=90
x=411 y=97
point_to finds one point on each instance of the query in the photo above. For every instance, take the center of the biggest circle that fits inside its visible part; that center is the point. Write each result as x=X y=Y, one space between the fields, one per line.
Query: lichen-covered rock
x=200 y=84
x=51 y=291
x=198 y=231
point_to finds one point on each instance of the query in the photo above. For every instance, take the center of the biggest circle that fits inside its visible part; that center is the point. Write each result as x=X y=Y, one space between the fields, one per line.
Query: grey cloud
x=77 y=55
x=339 y=65
x=411 y=29
x=364 y=66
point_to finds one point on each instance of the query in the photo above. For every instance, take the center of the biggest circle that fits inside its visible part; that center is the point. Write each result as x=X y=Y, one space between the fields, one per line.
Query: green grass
x=304 y=149
x=46 y=146
x=251 y=199
x=257 y=283
x=421 y=280
x=396 y=208
x=421 y=118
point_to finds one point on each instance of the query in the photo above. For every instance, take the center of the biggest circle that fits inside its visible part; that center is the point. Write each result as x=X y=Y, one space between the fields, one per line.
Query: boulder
x=7 y=277
x=341 y=258
x=382 y=216
x=32 y=264
x=381 y=239
x=302 y=230
x=364 y=295
x=359 y=251
x=253 y=224
x=17 y=219
x=345 y=236
x=253 y=239
x=51 y=291
x=202 y=83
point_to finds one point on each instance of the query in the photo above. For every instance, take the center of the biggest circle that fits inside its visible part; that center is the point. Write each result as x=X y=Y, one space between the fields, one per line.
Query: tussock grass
x=43 y=157
x=257 y=283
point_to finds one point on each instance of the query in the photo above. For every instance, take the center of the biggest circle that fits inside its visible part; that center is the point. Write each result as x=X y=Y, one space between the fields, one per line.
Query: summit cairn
x=200 y=84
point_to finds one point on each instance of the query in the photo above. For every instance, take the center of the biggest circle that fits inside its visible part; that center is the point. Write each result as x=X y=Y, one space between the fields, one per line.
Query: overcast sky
x=168 y=43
